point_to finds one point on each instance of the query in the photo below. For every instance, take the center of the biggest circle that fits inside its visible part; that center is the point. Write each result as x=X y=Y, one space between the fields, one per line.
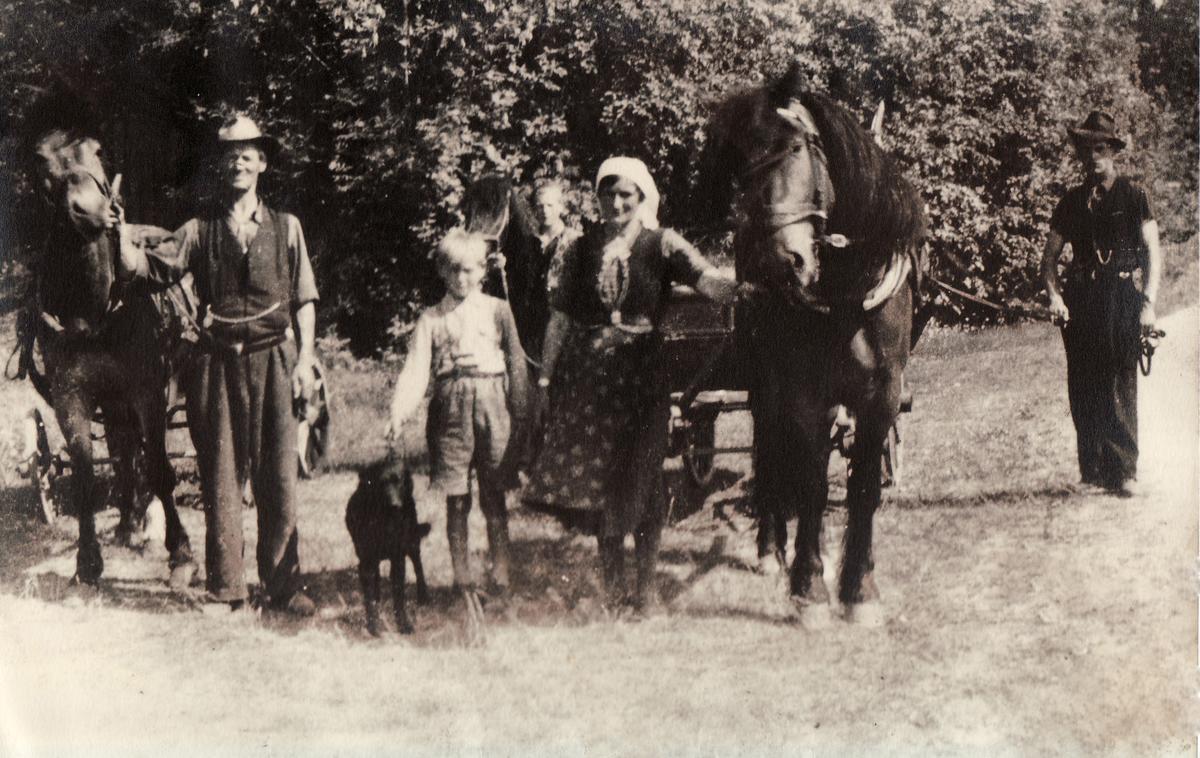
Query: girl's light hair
x=461 y=245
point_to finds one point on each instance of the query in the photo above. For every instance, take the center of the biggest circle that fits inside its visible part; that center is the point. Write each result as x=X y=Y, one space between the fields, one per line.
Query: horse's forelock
x=485 y=201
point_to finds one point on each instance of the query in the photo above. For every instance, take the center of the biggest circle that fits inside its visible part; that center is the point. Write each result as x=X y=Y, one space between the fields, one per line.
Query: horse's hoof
x=769 y=565
x=812 y=616
x=89 y=564
x=182 y=576
x=868 y=615
x=404 y=626
x=79 y=594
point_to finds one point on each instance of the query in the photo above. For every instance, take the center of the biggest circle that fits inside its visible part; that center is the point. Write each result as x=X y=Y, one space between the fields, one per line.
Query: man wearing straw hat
x=1113 y=236
x=258 y=314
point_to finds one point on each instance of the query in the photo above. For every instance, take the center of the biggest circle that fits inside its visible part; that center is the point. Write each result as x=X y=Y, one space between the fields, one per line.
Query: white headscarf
x=635 y=171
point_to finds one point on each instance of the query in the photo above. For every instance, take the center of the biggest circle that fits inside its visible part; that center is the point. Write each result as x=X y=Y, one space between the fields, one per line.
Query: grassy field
x=1023 y=618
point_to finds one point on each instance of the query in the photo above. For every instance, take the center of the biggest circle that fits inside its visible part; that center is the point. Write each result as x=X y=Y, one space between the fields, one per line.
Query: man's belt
x=469 y=373
x=214 y=344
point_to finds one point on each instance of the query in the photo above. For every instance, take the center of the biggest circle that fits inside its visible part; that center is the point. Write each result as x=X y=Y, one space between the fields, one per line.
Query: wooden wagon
x=706 y=380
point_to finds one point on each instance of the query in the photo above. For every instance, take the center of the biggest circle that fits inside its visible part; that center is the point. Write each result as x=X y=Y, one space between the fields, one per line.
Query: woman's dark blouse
x=659 y=257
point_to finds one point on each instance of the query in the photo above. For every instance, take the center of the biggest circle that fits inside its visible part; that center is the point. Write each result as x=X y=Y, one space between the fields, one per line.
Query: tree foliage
x=386 y=109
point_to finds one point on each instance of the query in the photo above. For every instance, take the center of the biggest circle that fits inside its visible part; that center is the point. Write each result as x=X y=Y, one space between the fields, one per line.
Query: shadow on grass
x=977 y=499
x=555 y=583
x=24 y=540
x=687 y=498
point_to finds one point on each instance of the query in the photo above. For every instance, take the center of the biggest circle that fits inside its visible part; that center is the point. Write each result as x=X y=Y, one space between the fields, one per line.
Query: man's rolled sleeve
x=304 y=284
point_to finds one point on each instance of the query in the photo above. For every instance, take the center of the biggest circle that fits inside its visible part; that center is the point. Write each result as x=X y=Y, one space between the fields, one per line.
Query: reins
x=1146 y=348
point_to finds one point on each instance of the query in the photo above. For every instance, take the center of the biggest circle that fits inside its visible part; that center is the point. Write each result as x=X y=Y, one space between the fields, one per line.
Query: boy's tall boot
x=457 y=508
x=491 y=500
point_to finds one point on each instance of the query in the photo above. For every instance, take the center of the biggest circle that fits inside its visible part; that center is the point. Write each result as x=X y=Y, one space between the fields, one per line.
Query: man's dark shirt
x=1099 y=224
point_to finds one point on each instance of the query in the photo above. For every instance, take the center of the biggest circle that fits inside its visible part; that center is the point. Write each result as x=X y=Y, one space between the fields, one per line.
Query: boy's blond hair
x=461 y=245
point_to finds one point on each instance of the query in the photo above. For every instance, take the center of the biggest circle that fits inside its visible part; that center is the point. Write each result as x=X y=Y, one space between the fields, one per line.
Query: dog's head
x=390 y=484
x=385 y=490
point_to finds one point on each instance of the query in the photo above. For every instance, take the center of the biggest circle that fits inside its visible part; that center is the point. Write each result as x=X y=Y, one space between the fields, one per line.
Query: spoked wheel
x=893 y=457
x=43 y=469
x=701 y=435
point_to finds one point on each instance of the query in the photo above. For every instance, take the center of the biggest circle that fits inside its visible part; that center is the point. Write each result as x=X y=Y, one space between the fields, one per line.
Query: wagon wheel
x=700 y=434
x=893 y=457
x=42 y=469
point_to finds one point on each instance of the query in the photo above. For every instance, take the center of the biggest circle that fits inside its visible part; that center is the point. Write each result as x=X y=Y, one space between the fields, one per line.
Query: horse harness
x=806 y=138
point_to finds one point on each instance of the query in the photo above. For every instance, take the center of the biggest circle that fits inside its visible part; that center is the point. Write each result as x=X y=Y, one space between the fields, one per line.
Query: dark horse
x=103 y=345
x=492 y=207
x=831 y=232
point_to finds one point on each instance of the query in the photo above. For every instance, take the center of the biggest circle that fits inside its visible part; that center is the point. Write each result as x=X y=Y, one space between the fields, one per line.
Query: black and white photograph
x=599 y=378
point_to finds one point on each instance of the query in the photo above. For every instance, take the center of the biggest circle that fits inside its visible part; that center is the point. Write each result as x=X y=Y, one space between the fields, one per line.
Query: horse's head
x=71 y=178
x=485 y=206
x=81 y=245
x=493 y=208
x=787 y=193
x=790 y=154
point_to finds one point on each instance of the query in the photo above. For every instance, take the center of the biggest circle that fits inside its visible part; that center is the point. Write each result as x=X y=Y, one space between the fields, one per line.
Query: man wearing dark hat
x=1113 y=236
x=258 y=313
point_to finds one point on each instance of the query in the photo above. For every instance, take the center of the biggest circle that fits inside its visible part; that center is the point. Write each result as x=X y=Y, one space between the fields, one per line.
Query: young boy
x=468 y=342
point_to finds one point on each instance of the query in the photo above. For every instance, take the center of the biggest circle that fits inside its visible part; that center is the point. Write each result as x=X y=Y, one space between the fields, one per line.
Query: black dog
x=382 y=519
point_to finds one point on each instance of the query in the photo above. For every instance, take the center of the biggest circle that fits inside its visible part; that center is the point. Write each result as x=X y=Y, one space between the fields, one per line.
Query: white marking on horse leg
x=156 y=523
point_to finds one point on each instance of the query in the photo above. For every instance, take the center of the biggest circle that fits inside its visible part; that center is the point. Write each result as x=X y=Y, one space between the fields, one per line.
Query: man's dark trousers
x=240 y=411
x=1102 y=344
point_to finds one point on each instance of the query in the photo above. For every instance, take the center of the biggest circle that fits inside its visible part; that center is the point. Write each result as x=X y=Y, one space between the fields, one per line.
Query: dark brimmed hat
x=241 y=130
x=1097 y=127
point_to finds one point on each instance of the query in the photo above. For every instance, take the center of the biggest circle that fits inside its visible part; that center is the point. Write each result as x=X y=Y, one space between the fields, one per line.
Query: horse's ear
x=877 y=124
x=798 y=116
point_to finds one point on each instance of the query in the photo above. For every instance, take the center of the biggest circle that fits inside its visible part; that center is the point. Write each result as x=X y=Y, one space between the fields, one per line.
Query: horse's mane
x=880 y=204
x=484 y=203
x=873 y=203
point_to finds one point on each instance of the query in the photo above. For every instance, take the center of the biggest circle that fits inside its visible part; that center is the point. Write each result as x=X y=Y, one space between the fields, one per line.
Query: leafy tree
x=387 y=109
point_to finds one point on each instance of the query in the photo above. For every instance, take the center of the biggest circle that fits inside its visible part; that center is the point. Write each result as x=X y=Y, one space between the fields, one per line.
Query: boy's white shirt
x=467 y=338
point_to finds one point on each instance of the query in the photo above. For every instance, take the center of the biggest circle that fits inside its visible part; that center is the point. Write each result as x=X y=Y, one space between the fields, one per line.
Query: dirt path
x=1022 y=620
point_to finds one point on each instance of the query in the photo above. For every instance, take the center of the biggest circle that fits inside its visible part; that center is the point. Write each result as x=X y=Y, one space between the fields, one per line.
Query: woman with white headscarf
x=600 y=466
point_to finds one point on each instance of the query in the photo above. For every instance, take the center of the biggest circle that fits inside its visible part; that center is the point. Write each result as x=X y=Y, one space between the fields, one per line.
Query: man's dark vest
x=253 y=290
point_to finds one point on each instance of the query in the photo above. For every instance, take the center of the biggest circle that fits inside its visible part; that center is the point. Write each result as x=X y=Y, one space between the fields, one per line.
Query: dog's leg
x=403 y=624
x=414 y=553
x=368 y=574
